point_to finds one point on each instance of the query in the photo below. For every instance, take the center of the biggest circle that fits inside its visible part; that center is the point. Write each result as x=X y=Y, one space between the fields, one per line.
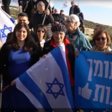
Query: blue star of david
x=55 y=94
x=3 y=35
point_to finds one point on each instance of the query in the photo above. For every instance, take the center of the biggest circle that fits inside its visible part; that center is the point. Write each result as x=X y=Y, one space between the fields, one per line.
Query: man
x=75 y=36
x=57 y=17
x=38 y=17
x=22 y=17
x=74 y=9
x=6 y=4
x=97 y=28
x=42 y=16
x=62 y=16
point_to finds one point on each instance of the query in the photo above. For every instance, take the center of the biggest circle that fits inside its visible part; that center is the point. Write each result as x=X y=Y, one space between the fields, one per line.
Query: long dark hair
x=29 y=42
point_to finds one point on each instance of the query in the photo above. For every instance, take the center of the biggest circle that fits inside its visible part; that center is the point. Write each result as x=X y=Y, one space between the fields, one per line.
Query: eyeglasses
x=40 y=31
x=102 y=38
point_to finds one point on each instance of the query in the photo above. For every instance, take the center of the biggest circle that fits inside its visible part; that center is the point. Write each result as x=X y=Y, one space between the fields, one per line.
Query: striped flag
x=7 y=24
x=46 y=84
x=66 y=4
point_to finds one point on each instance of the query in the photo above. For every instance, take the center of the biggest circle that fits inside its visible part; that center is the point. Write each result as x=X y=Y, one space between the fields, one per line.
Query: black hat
x=58 y=27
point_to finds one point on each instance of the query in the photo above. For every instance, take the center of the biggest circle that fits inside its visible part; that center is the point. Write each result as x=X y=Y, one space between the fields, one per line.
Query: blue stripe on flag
x=35 y=90
x=59 y=59
x=12 y=20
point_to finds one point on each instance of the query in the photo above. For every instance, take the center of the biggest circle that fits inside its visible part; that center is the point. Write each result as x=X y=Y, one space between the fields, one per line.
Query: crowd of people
x=31 y=40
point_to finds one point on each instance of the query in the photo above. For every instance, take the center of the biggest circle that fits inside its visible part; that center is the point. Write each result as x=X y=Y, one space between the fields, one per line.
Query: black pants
x=6 y=4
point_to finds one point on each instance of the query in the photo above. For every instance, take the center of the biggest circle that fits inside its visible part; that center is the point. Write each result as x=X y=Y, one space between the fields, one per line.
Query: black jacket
x=62 y=19
x=4 y=59
x=71 y=55
x=27 y=5
x=38 y=19
x=57 y=17
x=75 y=11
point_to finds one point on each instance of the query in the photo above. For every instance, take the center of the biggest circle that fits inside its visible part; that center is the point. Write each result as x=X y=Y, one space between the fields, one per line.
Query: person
x=6 y=4
x=102 y=41
x=58 y=38
x=47 y=5
x=96 y=29
x=16 y=56
x=74 y=9
x=23 y=17
x=62 y=16
x=57 y=17
x=75 y=36
x=81 y=18
x=41 y=32
x=38 y=18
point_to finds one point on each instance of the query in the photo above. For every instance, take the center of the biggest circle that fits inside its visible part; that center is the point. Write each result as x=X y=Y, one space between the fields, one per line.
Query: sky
x=98 y=11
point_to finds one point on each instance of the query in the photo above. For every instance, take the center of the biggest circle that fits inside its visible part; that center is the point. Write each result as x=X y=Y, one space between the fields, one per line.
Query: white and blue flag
x=66 y=4
x=47 y=85
x=7 y=25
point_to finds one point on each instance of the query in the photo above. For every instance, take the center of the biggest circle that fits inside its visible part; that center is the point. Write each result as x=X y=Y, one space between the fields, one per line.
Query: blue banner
x=93 y=81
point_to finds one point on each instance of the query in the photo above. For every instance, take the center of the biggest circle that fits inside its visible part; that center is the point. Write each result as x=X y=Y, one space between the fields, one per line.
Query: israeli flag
x=7 y=24
x=47 y=83
x=66 y=4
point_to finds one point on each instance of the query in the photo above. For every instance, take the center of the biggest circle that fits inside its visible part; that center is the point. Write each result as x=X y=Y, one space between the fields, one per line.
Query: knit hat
x=58 y=27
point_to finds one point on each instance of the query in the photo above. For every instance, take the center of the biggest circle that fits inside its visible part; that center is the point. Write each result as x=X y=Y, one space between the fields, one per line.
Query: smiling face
x=58 y=37
x=21 y=34
x=101 y=41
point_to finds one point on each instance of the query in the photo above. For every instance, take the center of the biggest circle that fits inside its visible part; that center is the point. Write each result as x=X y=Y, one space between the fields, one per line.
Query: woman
x=102 y=41
x=16 y=56
x=41 y=32
x=59 y=37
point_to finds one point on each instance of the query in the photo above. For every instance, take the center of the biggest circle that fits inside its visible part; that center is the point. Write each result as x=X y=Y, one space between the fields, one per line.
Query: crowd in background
x=39 y=30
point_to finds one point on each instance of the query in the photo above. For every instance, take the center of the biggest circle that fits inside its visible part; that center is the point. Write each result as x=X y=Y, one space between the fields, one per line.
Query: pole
x=78 y=2
x=45 y=13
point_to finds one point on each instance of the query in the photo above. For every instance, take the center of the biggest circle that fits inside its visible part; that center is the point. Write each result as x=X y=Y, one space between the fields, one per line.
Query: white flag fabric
x=66 y=4
x=7 y=25
x=51 y=2
x=47 y=85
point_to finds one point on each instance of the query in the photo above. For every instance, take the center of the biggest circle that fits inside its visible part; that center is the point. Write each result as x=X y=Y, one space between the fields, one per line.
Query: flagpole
x=45 y=13
x=5 y=88
x=78 y=2
x=0 y=2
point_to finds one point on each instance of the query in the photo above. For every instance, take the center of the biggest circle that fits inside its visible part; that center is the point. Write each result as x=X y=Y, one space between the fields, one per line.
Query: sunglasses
x=102 y=38
x=40 y=31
